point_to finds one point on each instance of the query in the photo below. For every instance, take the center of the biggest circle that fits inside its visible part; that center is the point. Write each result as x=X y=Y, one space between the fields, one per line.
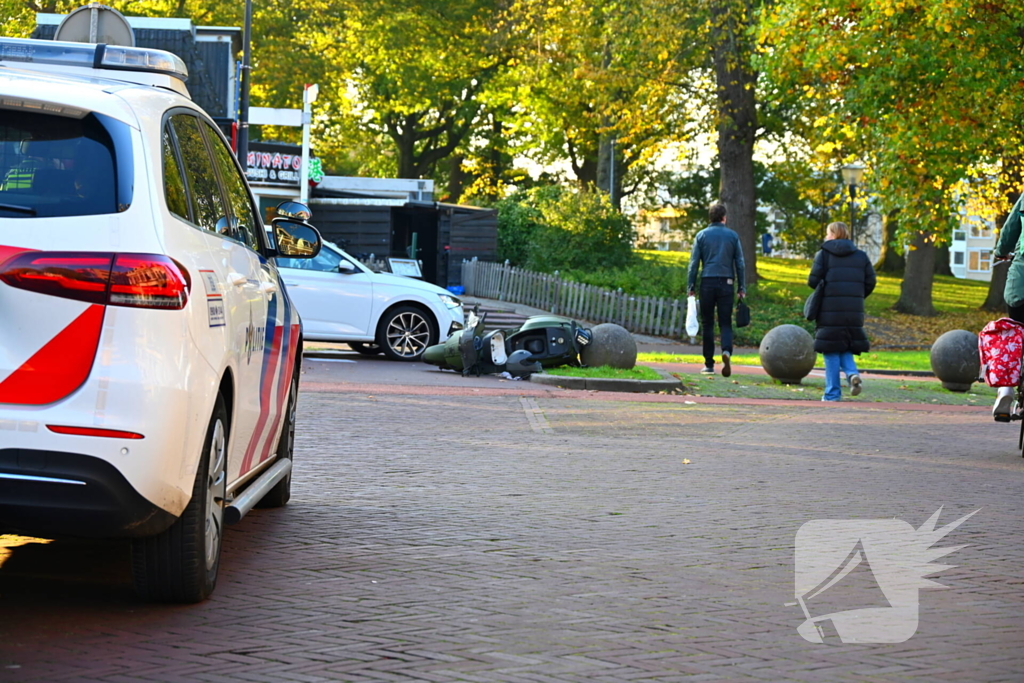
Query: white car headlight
x=450 y=301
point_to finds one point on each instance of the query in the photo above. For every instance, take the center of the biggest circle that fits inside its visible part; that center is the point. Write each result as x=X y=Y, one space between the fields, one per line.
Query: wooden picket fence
x=641 y=314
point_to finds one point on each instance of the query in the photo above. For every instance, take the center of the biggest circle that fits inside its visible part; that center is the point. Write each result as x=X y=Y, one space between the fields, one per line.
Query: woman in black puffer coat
x=849 y=278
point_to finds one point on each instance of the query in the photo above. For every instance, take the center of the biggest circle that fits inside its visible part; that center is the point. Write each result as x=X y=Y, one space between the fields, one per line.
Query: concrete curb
x=633 y=386
x=328 y=354
x=901 y=373
x=864 y=371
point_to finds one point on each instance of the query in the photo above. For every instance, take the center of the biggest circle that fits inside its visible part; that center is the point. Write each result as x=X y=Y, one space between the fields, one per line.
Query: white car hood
x=393 y=280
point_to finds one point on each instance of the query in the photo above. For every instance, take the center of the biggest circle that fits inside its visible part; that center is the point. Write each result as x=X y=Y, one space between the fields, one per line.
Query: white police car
x=149 y=354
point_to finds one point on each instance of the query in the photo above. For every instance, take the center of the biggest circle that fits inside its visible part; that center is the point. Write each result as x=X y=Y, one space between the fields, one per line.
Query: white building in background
x=970 y=253
x=868 y=237
x=660 y=229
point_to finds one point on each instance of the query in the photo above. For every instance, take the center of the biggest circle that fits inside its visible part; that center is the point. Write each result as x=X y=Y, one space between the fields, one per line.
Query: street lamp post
x=243 y=106
x=853 y=174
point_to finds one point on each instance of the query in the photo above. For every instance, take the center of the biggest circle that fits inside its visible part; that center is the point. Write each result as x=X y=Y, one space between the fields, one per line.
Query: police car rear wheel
x=282 y=491
x=180 y=564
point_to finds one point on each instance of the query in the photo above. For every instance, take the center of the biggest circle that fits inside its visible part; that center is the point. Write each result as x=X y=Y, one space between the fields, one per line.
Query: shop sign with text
x=278 y=164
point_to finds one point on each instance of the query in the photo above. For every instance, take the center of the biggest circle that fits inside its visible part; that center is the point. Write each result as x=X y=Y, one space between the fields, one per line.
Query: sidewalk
x=649 y=344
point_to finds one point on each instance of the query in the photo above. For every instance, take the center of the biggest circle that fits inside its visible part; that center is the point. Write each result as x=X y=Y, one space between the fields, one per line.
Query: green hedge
x=552 y=228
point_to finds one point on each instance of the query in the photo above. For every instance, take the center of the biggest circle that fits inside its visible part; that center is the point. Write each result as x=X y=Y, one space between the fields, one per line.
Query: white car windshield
x=328 y=260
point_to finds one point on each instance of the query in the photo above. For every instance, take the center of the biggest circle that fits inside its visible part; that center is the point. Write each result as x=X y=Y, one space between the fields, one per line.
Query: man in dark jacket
x=717 y=251
x=849 y=278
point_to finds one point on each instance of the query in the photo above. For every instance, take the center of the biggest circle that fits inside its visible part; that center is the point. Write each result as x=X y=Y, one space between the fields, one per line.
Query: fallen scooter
x=542 y=341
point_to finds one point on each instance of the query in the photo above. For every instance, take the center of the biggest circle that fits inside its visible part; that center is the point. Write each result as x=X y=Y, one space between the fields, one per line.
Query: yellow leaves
x=826 y=148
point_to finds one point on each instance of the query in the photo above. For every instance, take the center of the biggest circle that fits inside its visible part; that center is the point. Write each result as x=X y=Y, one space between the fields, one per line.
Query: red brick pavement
x=499 y=537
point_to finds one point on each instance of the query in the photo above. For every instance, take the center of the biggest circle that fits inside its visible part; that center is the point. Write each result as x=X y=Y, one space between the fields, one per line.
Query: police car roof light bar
x=114 y=57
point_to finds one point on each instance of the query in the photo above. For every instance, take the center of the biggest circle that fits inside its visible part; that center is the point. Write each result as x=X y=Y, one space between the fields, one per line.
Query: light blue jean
x=834 y=362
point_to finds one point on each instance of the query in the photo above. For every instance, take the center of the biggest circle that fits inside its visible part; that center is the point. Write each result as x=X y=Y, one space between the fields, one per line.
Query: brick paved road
x=559 y=540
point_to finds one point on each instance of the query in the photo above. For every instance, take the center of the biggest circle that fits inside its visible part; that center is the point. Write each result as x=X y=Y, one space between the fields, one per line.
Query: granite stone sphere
x=612 y=345
x=787 y=353
x=955 y=359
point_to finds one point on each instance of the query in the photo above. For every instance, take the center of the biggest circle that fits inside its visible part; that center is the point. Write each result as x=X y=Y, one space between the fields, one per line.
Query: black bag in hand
x=813 y=303
x=742 y=313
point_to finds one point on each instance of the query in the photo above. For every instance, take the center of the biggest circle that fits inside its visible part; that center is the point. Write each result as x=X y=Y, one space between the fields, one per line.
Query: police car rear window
x=61 y=166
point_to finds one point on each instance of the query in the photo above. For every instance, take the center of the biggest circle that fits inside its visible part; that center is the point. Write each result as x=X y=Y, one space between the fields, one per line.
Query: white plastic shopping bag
x=692 y=324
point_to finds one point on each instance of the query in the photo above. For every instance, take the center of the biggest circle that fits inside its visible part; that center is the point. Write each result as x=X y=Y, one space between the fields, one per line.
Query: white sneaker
x=855 y=384
x=1004 y=403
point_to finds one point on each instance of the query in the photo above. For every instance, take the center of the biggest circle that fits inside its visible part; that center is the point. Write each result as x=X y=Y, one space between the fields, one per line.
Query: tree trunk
x=610 y=169
x=588 y=172
x=916 y=288
x=994 y=301
x=496 y=159
x=737 y=120
x=942 y=261
x=456 y=178
x=407 y=167
x=889 y=261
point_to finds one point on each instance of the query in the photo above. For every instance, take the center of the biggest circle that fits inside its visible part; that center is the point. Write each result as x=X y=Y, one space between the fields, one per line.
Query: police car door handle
x=269 y=287
x=237 y=279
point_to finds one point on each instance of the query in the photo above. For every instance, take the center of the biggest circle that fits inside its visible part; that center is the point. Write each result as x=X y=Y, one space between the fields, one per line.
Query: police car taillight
x=133 y=280
x=148 y=281
x=80 y=276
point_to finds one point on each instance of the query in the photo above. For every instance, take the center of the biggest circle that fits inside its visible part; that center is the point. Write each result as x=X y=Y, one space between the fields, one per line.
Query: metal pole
x=243 y=106
x=304 y=171
x=853 y=197
x=611 y=181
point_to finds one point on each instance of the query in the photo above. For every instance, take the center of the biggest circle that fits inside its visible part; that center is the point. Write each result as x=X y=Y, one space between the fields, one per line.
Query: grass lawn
x=875 y=390
x=875 y=360
x=779 y=297
x=605 y=372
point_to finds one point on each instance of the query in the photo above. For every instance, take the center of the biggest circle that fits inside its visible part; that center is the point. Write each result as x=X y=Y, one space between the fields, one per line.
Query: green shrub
x=580 y=230
x=518 y=220
x=552 y=228
x=641 y=278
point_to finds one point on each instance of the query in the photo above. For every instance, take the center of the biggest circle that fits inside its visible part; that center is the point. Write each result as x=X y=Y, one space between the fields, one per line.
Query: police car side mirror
x=346 y=267
x=295 y=239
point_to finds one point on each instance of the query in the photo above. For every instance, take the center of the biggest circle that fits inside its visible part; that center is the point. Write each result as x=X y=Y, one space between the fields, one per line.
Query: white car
x=149 y=354
x=341 y=300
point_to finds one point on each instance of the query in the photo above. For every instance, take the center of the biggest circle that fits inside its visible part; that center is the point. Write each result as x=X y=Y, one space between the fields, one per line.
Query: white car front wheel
x=405 y=332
